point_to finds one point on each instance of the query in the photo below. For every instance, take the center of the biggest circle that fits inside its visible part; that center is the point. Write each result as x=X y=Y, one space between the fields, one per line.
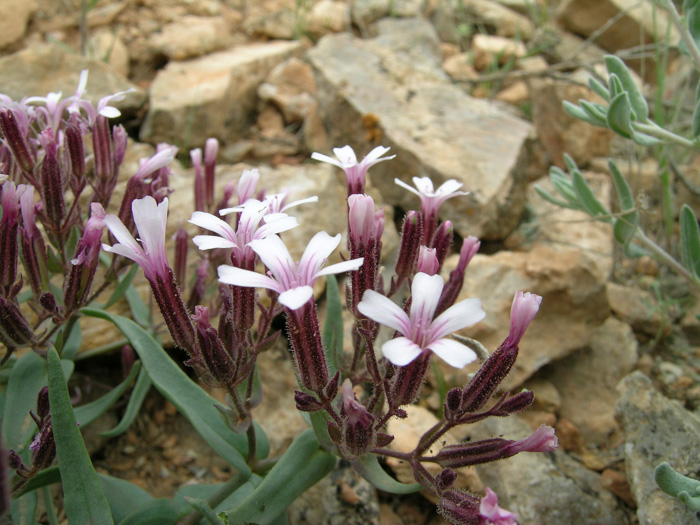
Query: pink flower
x=430 y=198
x=419 y=331
x=293 y=281
x=525 y=307
x=543 y=440
x=490 y=513
x=355 y=172
x=150 y=219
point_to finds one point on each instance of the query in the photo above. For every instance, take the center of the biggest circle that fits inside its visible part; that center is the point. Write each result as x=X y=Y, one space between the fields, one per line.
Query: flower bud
x=442 y=241
x=306 y=402
x=51 y=182
x=214 y=357
x=411 y=234
x=525 y=307
x=199 y=196
x=181 y=245
x=15 y=331
x=450 y=292
x=358 y=436
x=517 y=403
x=446 y=479
x=459 y=507
x=16 y=140
x=9 y=227
x=486 y=380
x=74 y=142
x=211 y=148
x=427 y=261
x=543 y=440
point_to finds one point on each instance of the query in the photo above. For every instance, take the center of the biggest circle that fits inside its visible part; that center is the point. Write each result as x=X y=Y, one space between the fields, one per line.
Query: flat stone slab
x=433 y=126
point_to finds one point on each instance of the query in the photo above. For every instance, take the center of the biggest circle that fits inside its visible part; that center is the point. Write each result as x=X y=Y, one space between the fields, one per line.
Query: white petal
x=274 y=254
x=120 y=233
x=325 y=158
x=424 y=185
x=246 y=278
x=214 y=224
x=401 y=351
x=449 y=187
x=317 y=251
x=346 y=155
x=301 y=201
x=425 y=295
x=276 y=226
x=150 y=219
x=407 y=187
x=110 y=112
x=341 y=267
x=464 y=313
x=383 y=310
x=296 y=297
x=211 y=242
x=126 y=251
x=453 y=353
x=377 y=152
x=226 y=211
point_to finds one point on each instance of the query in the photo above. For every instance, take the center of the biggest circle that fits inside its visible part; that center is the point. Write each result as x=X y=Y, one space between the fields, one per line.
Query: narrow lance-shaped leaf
x=626 y=225
x=690 y=240
x=83 y=499
x=27 y=378
x=620 y=116
x=587 y=198
x=638 y=103
x=599 y=89
x=138 y=395
x=333 y=327
x=369 y=468
x=581 y=114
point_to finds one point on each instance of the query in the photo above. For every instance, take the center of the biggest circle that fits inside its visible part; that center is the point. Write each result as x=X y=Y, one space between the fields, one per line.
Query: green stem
x=687 y=38
x=663 y=256
x=224 y=492
x=663 y=134
x=48 y=504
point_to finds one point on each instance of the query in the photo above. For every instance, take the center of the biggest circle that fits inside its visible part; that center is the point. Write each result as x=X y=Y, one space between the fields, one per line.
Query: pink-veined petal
x=341 y=267
x=274 y=254
x=449 y=187
x=316 y=253
x=211 y=242
x=424 y=185
x=453 y=353
x=227 y=211
x=464 y=313
x=301 y=201
x=405 y=186
x=276 y=226
x=346 y=155
x=384 y=311
x=122 y=235
x=377 y=152
x=401 y=351
x=150 y=219
x=296 y=297
x=425 y=295
x=214 y=224
x=246 y=278
x=127 y=251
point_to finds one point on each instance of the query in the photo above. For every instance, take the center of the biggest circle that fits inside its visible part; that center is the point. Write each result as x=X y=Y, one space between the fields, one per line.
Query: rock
x=402 y=86
x=460 y=67
x=211 y=96
x=547 y=397
x=14 y=17
x=45 y=68
x=491 y=50
x=407 y=432
x=524 y=7
x=639 y=309
x=327 y=16
x=586 y=380
x=558 y=45
x=291 y=87
x=636 y=23
x=486 y=14
x=616 y=482
x=280 y=24
x=558 y=131
x=204 y=35
x=545 y=488
x=574 y=302
x=515 y=94
x=657 y=429
x=364 y=12
x=106 y=46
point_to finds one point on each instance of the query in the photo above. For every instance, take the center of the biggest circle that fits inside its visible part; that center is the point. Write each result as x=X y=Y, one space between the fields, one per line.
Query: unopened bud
x=16 y=140
x=442 y=241
x=411 y=234
x=427 y=261
x=74 y=141
x=446 y=479
x=211 y=148
x=306 y=402
x=14 y=329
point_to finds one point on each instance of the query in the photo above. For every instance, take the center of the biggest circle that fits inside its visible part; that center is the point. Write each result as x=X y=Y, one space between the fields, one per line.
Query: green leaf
x=620 y=116
x=581 y=114
x=157 y=512
x=589 y=201
x=318 y=421
x=332 y=335
x=638 y=103
x=138 y=394
x=597 y=112
x=599 y=89
x=89 y=412
x=696 y=119
x=139 y=310
x=550 y=198
x=83 y=499
x=302 y=465
x=644 y=140
x=27 y=378
x=692 y=17
x=624 y=192
x=625 y=226
x=690 y=240
x=615 y=86
x=123 y=496
x=124 y=283
x=70 y=346
x=24 y=509
x=201 y=506
x=45 y=477
x=195 y=404
x=678 y=486
x=369 y=468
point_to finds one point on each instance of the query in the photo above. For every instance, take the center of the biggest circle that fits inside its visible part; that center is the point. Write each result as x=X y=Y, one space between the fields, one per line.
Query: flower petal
x=213 y=224
x=346 y=155
x=122 y=235
x=341 y=267
x=276 y=226
x=401 y=351
x=325 y=158
x=296 y=297
x=211 y=242
x=453 y=353
x=425 y=295
x=385 y=311
x=316 y=253
x=407 y=187
x=274 y=254
x=464 y=313
x=246 y=278
x=377 y=152
x=449 y=187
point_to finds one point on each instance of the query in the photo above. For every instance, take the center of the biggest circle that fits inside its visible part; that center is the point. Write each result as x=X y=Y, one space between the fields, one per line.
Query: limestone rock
x=492 y=49
x=42 y=69
x=657 y=429
x=328 y=16
x=105 y=45
x=639 y=308
x=291 y=87
x=515 y=94
x=638 y=25
x=204 y=35
x=545 y=488
x=558 y=131
x=460 y=67
x=433 y=127
x=280 y=24
x=14 y=17
x=211 y=96
x=497 y=18
x=364 y=12
x=586 y=379
x=574 y=302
